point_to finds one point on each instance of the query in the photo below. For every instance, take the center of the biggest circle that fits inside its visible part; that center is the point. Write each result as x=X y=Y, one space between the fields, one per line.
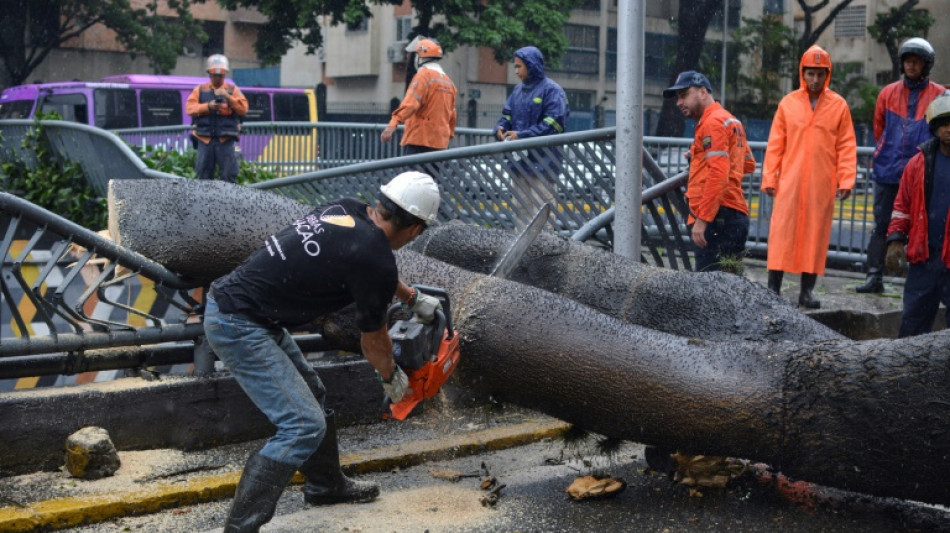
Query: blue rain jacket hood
x=534 y=60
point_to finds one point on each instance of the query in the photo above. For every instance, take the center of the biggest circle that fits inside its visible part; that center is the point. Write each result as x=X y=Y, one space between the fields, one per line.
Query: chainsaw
x=427 y=353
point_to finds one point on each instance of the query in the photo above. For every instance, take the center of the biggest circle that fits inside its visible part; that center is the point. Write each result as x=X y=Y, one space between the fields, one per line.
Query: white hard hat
x=939 y=109
x=218 y=64
x=415 y=192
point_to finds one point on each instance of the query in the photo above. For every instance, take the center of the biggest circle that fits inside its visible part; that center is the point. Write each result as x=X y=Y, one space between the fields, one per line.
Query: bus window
x=115 y=108
x=258 y=107
x=291 y=108
x=161 y=107
x=16 y=109
x=72 y=107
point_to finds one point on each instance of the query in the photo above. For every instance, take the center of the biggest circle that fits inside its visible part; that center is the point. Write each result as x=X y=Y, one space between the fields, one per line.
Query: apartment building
x=362 y=71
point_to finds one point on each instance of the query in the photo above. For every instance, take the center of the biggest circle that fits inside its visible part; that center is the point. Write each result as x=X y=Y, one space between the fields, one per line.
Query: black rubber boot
x=261 y=485
x=877 y=250
x=874 y=283
x=326 y=482
x=805 y=298
x=775 y=281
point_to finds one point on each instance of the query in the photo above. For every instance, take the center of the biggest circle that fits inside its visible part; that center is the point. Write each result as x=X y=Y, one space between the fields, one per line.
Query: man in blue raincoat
x=536 y=107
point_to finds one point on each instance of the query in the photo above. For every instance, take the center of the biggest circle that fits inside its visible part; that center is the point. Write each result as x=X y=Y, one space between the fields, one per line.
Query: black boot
x=326 y=482
x=262 y=483
x=775 y=281
x=805 y=298
x=874 y=283
x=877 y=250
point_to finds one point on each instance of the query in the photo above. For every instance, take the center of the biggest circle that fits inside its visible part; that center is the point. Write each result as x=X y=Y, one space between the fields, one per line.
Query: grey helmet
x=920 y=48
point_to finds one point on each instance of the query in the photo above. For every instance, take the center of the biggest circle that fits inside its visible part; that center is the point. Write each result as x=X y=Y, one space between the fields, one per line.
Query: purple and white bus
x=145 y=100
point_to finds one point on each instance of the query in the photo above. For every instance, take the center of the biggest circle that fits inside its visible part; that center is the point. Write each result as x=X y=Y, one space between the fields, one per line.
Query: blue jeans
x=927 y=285
x=274 y=374
x=725 y=236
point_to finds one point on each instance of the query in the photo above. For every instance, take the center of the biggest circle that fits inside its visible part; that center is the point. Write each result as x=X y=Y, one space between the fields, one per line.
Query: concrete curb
x=73 y=511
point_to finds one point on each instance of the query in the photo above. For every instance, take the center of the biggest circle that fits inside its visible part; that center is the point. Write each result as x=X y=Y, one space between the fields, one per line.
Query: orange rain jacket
x=196 y=108
x=719 y=157
x=810 y=155
x=428 y=109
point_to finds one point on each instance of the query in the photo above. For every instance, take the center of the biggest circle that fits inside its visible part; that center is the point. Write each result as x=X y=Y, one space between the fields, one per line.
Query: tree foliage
x=811 y=30
x=767 y=47
x=502 y=26
x=31 y=29
x=895 y=26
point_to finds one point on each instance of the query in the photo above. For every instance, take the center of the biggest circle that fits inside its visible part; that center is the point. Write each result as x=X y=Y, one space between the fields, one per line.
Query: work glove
x=397 y=385
x=896 y=259
x=424 y=306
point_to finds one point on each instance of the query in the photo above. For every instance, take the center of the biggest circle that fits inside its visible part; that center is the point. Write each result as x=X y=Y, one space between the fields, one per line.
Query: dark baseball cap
x=690 y=78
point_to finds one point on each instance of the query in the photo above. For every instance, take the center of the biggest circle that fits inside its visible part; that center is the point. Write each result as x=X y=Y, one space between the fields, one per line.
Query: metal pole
x=725 y=37
x=629 y=180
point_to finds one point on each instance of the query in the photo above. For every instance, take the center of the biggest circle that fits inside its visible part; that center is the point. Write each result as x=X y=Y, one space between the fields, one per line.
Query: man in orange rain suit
x=428 y=109
x=810 y=160
x=719 y=158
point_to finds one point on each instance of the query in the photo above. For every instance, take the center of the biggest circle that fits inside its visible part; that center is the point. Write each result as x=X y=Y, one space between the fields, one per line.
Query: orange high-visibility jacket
x=428 y=109
x=720 y=156
x=810 y=155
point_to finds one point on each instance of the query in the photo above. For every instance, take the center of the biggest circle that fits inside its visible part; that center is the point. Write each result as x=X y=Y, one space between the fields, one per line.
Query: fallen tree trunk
x=709 y=305
x=207 y=227
x=869 y=416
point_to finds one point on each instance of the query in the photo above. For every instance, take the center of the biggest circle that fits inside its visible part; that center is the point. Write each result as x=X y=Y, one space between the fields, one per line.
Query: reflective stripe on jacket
x=909 y=220
x=720 y=156
x=896 y=134
x=428 y=109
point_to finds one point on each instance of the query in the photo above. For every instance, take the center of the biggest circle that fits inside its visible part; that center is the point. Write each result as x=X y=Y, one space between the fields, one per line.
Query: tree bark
x=712 y=306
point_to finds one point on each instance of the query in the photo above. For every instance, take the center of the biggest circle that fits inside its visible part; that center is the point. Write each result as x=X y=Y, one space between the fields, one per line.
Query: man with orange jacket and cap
x=428 y=109
x=718 y=159
x=810 y=160
x=216 y=108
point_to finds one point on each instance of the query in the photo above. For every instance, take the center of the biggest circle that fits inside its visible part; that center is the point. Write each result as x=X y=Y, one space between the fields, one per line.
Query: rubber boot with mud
x=877 y=251
x=261 y=485
x=326 y=483
x=775 y=281
x=805 y=298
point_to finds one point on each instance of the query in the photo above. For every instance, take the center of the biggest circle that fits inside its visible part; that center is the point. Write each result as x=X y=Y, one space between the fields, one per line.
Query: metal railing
x=288 y=148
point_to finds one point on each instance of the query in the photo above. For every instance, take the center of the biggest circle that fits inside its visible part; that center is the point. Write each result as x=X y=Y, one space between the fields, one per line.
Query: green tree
x=812 y=31
x=767 y=48
x=502 y=26
x=30 y=29
x=898 y=24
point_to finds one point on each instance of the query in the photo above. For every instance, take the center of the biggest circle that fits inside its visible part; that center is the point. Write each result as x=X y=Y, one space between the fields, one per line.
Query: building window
x=588 y=5
x=403 y=28
x=582 y=50
x=580 y=99
x=215 y=43
x=773 y=7
x=361 y=26
x=735 y=13
x=851 y=22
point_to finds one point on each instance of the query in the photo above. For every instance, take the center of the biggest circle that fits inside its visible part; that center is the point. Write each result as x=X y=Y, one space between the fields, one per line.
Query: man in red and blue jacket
x=920 y=220
x=899 y=127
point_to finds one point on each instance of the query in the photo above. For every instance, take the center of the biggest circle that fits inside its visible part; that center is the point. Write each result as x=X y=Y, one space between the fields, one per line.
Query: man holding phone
x=217 y=108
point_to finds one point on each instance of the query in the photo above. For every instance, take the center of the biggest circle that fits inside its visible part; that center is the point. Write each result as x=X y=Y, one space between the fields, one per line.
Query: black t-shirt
x=332 y=257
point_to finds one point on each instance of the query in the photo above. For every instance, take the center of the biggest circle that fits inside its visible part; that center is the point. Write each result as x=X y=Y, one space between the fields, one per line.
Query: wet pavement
x=171 y=490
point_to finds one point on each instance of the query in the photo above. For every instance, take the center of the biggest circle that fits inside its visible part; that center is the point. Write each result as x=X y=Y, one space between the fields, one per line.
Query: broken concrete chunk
x=90 y=454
